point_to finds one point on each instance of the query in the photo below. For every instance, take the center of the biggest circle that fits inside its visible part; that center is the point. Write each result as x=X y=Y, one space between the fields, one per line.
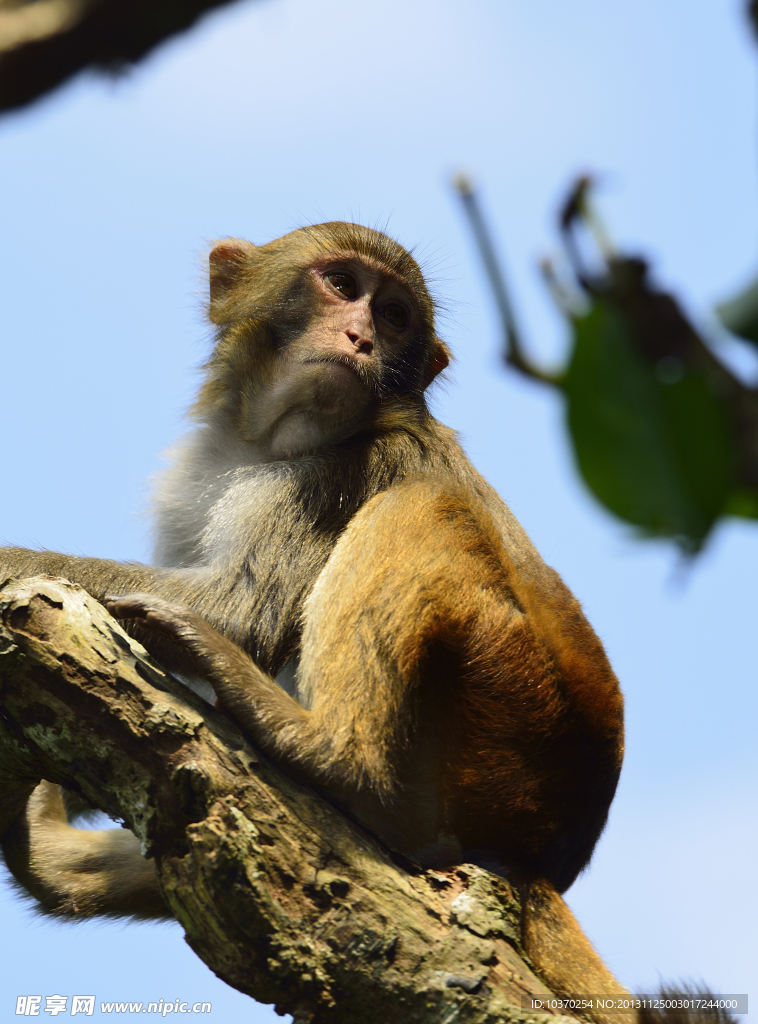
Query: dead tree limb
x=278 y=892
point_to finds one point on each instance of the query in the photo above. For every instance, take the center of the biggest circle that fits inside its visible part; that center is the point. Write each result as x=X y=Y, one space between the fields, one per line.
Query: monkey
x=331 y=565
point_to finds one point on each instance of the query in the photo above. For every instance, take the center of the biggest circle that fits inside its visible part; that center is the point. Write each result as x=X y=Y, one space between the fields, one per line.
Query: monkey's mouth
x=349 y=363
x=337 y=385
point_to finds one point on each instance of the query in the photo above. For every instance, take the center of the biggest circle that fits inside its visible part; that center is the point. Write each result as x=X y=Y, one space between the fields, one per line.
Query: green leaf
x=656 y=449
x=742 y=502
x=740 y=314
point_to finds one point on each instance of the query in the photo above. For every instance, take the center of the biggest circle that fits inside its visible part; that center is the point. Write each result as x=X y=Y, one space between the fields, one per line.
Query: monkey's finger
x=152 y=612
x=128 y=606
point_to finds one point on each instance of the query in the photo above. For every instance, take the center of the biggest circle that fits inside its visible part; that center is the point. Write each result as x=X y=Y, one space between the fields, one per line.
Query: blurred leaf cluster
x=664 y=433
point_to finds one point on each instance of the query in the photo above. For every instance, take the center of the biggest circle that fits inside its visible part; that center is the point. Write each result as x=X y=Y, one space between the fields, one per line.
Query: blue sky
x=278 y=112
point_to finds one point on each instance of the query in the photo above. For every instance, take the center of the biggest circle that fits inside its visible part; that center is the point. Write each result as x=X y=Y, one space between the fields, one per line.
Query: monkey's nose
x=361 y=340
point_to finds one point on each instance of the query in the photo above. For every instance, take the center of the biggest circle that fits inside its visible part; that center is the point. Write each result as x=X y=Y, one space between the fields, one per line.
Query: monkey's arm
x=279 y=724
x=99 y=576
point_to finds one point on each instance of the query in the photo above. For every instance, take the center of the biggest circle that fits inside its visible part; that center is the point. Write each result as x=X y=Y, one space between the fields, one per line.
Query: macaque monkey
x=359 y=599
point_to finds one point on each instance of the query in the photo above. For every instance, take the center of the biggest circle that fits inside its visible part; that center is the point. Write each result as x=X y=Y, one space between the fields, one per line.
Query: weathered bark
x=279 y=893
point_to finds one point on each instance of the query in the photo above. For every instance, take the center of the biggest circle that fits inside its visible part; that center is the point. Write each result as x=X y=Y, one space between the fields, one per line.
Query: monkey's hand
x=250 y=696
x=173 y=620
x=211 y=652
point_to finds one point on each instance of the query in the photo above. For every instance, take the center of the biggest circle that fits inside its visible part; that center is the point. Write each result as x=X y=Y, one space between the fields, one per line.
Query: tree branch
x=280 y=894
x=45 y=42
x=514 y=353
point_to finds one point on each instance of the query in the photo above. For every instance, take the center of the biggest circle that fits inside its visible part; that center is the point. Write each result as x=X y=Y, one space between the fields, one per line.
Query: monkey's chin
x=322 y=403
x=305 y=431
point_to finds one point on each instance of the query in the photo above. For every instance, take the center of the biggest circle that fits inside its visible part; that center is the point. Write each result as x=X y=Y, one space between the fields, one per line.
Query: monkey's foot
x=78 y=872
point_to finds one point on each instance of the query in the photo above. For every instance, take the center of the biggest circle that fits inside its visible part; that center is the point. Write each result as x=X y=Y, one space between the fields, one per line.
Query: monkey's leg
x=79 y=872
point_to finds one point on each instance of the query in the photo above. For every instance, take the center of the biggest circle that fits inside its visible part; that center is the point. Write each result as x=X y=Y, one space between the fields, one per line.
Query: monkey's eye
x=344 y=283
x=395 y=315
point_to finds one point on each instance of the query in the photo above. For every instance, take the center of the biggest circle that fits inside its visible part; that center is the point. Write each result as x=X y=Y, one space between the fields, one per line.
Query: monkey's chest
x=277 y=581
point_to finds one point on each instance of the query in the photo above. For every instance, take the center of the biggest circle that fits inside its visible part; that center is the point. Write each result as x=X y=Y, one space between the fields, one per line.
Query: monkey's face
x=362 y=343
x=321 y=331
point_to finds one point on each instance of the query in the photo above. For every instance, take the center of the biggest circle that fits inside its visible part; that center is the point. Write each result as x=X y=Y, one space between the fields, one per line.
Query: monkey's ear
x=439 y=359
x=226 y=260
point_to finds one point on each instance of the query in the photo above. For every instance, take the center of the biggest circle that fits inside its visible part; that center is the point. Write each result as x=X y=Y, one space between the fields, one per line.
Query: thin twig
x=513 y=351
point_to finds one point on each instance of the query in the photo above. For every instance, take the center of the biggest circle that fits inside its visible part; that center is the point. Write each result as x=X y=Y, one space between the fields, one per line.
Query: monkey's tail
x=570 y=967
x=562 y=953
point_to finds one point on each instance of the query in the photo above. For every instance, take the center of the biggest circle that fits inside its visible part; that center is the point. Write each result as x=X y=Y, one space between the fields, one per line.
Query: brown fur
x=449 y=691
x=90 y=872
